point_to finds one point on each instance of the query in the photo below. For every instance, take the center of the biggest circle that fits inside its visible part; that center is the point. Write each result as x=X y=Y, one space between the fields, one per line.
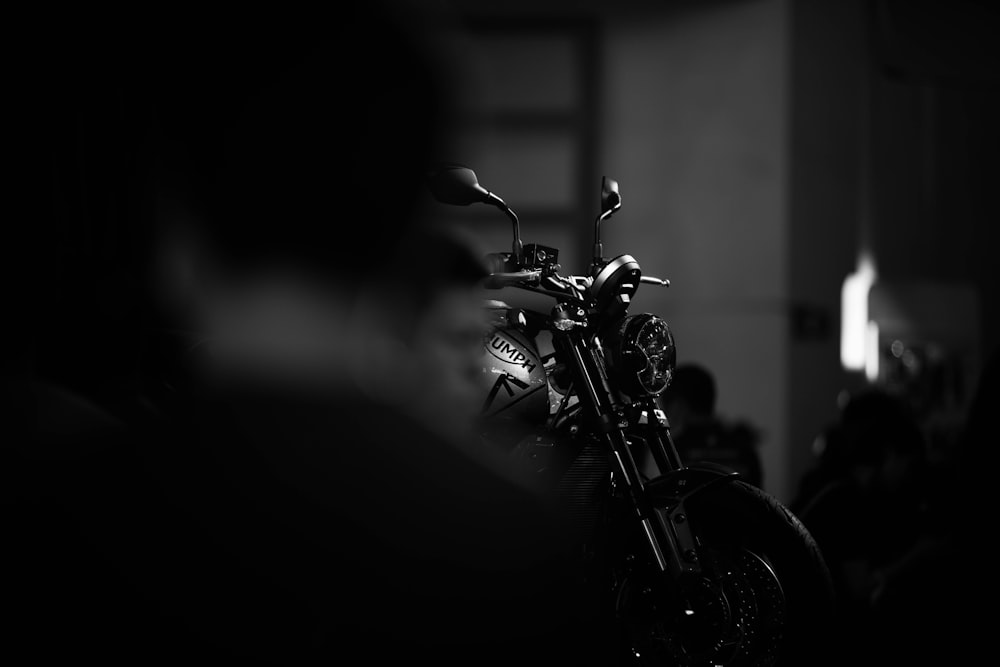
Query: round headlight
x=643 y=355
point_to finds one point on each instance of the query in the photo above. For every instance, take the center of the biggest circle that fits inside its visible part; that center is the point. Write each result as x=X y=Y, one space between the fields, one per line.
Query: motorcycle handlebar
x=501 y=280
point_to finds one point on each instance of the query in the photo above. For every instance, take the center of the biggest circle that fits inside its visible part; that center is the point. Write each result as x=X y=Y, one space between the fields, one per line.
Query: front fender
x=669 y=491
x=664 y=499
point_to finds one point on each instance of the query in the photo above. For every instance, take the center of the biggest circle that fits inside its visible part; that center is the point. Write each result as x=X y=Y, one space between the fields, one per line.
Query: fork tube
x=596 y=397
x=661 y=445
x=611 y=420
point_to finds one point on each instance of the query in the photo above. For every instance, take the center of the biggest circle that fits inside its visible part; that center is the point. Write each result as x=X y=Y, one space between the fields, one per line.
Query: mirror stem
x=598 y=247
x=517 y=247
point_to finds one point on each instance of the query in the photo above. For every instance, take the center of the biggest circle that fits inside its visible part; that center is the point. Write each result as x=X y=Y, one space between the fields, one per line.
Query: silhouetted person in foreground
x=700 y=434
x=278 y=472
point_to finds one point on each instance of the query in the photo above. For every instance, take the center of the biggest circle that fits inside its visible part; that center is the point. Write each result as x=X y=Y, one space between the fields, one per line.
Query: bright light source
x=854 y=313
x=872 y=353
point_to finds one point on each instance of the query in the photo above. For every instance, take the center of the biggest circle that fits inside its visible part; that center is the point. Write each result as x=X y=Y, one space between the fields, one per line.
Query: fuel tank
x=514 y=385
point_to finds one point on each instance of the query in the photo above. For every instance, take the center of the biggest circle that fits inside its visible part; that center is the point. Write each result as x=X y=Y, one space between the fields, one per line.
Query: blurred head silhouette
x=690 y=397
x=288 y=185
x=881 y=440
x=422 y=326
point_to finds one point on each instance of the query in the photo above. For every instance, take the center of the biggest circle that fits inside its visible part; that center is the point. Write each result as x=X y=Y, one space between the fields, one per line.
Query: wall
x=935 y=102
x=694 y=129
x=829 y=194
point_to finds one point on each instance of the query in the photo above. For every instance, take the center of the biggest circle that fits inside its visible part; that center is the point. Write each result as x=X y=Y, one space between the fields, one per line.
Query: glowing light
x=689 y=612
x=854 y=313
x=872 y=352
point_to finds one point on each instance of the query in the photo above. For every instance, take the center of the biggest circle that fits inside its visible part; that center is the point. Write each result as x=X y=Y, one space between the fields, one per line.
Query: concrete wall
x=694 y=129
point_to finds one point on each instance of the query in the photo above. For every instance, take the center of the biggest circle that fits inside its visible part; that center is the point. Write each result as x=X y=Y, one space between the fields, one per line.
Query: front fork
x=665 y=525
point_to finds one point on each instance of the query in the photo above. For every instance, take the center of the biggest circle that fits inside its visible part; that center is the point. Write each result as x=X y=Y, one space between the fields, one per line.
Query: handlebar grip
x=501 y=280
x=498 y=262
x=663 y=282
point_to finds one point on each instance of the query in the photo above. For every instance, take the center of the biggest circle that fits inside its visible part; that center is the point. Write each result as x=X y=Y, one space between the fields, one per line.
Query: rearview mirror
x=610 y=198
x=457 y=185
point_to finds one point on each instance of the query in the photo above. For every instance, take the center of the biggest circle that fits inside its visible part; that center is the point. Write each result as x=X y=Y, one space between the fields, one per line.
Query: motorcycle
x=692 y=565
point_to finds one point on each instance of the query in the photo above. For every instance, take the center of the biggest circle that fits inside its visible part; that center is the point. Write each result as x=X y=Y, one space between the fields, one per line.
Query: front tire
x=767 y=598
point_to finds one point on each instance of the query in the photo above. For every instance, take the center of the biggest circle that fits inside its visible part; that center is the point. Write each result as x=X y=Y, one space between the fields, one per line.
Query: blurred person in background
x=832 y=464
x=869 y=505
x=277 y=470
x=700 y=434
x=936 y=598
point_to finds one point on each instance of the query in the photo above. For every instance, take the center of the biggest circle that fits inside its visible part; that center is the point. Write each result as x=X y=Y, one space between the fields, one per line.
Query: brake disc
x=734 y=619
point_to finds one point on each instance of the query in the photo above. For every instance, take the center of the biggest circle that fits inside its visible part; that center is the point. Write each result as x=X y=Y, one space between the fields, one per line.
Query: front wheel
x=765 y=597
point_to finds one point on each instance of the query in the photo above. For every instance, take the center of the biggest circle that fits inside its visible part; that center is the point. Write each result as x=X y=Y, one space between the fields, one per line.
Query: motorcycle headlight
x=643 y=355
